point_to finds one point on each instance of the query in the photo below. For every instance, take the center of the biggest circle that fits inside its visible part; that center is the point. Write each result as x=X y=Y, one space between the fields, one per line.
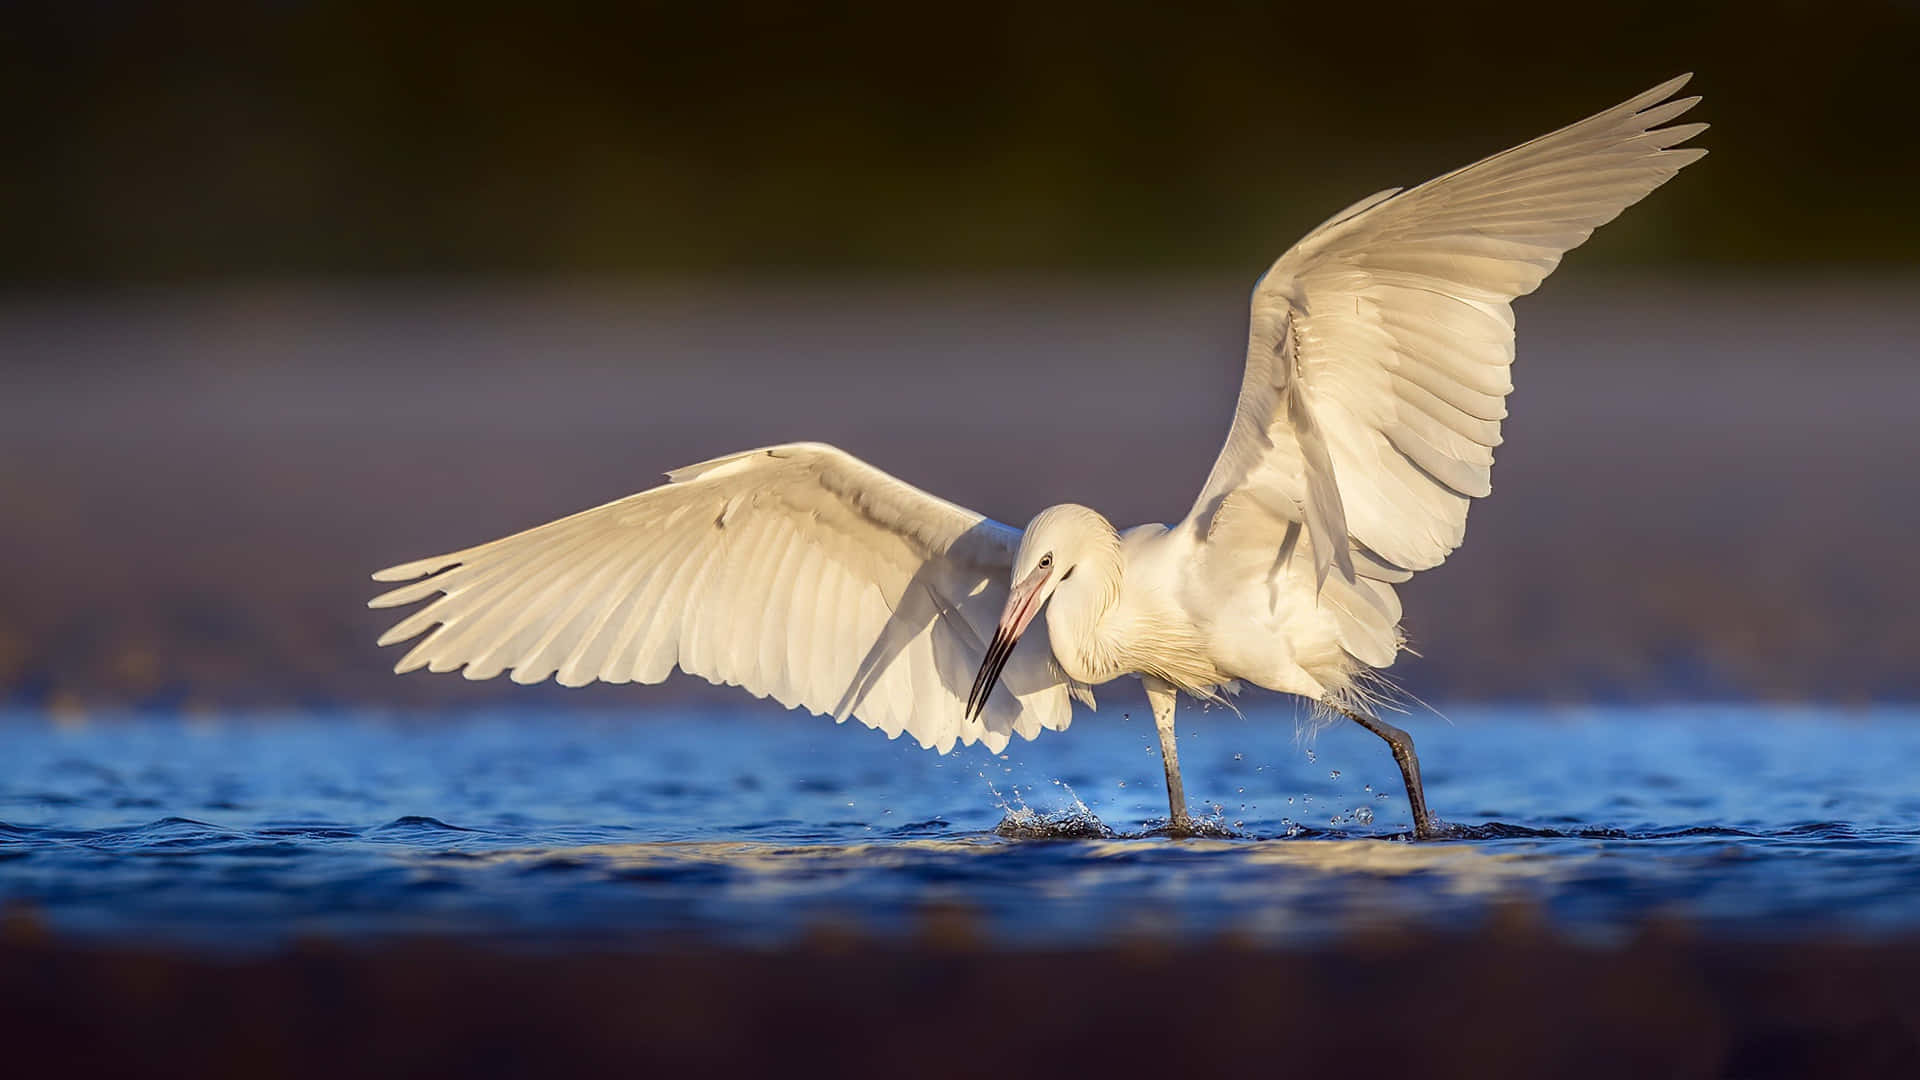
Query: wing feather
x=1380 y=352
x=796 y=572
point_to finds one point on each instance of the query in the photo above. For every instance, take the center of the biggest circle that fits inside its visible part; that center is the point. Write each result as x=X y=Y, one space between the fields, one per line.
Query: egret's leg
x=1424 y=827
x=1162 y=696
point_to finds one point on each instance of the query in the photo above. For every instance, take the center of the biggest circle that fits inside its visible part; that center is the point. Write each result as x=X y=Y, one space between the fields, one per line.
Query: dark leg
x=1424 y=826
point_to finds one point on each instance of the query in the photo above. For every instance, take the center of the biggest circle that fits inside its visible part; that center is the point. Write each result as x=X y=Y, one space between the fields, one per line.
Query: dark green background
x=161 y=142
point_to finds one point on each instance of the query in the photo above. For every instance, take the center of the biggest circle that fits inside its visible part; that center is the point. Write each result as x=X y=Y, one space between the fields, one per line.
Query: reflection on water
x=749 y=828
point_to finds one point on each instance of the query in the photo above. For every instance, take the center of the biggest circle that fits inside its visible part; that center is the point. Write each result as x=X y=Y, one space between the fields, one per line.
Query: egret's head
x=1059 y=541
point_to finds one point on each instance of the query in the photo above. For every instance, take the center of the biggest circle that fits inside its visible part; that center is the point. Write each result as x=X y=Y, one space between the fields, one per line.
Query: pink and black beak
x=1023 y=603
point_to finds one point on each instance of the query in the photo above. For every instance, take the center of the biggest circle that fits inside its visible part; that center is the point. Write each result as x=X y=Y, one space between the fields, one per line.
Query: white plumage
x=1379 y=359
x=798 y=572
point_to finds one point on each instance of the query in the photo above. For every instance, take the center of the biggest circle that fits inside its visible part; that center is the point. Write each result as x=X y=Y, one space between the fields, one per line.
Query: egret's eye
x=1046 y=560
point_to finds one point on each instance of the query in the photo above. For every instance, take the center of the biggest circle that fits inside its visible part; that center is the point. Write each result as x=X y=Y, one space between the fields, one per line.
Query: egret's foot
x=1191 y=828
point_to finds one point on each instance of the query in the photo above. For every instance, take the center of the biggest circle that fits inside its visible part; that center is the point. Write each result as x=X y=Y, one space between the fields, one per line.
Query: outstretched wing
x=1380 y=347
x=798 y=572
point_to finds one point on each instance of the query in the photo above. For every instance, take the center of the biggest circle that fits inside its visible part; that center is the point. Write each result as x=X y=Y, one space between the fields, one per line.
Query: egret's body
x=1378 y=364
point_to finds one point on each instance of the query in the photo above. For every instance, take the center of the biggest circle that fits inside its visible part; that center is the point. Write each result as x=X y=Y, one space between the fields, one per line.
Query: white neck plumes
x=1087 y=550
x=1101 y=623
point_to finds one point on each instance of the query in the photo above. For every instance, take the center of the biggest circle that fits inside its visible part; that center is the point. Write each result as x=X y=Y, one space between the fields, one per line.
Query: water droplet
x=1334 y=775
x=1123 y=783
x=1311 y=756
x=1237 y=757
x=1239 y=791
x=1289 y=800
x=1363 y=815
x=1381 y=795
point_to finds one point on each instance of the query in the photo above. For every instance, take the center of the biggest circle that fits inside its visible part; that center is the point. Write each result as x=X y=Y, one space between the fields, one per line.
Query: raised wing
x=1379 y=348
x=798 y=572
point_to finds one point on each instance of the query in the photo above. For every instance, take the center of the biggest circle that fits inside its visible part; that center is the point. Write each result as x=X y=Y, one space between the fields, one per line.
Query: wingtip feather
x=530 y=676
x=403 y=631
x=1669 y=88
x=1646 y=100
x=417 y=568
x=1683 y=156
x=412 y=592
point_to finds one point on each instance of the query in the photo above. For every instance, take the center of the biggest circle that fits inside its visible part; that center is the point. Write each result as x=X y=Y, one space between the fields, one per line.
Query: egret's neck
x=1077 y=616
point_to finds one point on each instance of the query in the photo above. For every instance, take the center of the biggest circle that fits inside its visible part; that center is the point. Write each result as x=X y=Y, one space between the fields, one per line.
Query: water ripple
x=548 y=827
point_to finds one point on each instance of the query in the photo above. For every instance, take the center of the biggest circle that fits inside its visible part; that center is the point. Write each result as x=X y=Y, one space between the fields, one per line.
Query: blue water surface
x=760 y=827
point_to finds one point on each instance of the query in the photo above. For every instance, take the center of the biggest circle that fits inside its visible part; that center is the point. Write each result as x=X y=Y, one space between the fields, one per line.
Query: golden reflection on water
x=1459 y=869
x=740 y=854
x=1462 y=868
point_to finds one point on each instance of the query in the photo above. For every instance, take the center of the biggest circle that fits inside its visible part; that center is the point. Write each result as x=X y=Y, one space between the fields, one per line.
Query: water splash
x=1073 y=823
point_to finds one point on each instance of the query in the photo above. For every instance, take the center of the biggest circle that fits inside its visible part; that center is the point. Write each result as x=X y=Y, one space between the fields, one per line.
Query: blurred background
x=290 y=291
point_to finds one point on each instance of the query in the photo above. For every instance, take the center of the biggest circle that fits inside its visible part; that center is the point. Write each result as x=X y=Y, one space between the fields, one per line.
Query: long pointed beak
x=1023 y=603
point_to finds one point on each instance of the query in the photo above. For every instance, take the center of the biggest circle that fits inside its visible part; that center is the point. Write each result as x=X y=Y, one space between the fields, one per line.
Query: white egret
x=1377 y=370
